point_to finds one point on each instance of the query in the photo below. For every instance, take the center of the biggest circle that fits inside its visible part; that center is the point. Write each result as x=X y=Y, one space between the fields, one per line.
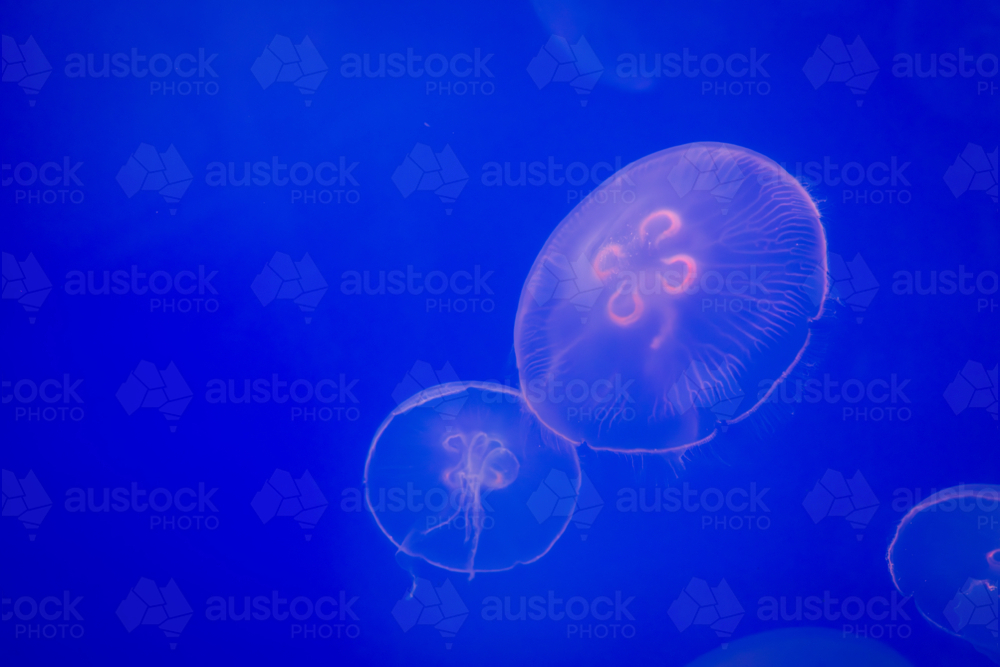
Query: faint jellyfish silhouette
x=946 y=554
x=705 y=265
x=455 y=491
x=802 y=647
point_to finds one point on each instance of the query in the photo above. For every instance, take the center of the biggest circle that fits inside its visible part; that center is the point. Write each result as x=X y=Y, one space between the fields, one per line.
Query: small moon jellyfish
x=946 y=554
x=802 y=647
x=671 y=300
x=451 y=471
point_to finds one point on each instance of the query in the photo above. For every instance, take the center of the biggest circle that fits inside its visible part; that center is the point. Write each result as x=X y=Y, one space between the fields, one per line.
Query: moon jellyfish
x=946 y=554
x=802 y=647
x=450 y=473
x=671 y=300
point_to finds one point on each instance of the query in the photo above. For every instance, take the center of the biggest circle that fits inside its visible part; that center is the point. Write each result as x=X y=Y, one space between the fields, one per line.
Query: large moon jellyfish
x=946 y=554
x=671 y=300
x=802 y=647
x=450 y=472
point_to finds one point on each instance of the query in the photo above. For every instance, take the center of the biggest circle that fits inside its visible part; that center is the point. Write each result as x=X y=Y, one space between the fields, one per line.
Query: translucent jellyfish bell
x=946 y=554
x=451 y=471
x=673 y=298
x=802 y=647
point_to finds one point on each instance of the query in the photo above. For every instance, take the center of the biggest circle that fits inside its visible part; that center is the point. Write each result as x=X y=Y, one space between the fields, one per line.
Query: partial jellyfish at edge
x=802 y=647
x=946 y=554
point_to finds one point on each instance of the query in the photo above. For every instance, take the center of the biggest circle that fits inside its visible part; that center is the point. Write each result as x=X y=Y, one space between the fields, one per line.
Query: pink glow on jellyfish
x=945 y=555
x=671 y=300
x=454 y=489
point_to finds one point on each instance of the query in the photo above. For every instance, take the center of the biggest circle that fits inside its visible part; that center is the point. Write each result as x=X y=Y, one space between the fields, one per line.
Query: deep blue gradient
x=916 y=342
